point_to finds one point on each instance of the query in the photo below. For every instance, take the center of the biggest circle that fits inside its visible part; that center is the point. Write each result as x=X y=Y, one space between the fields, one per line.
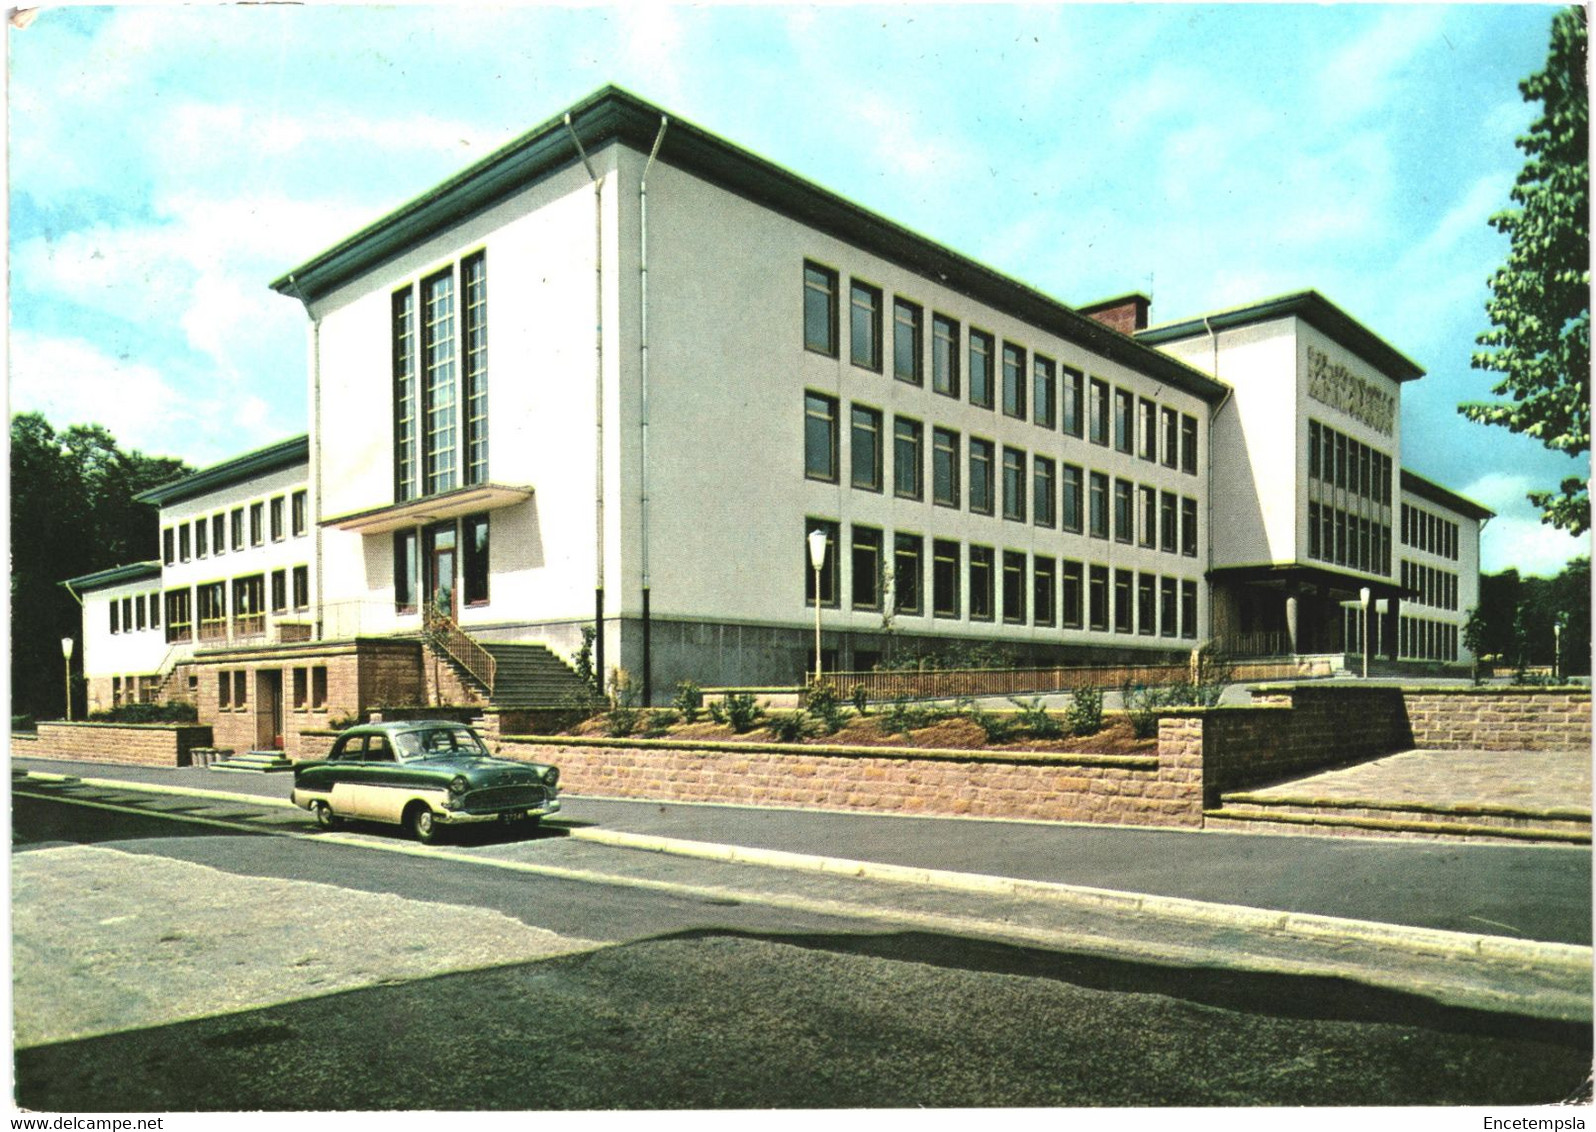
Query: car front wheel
x=422 y=824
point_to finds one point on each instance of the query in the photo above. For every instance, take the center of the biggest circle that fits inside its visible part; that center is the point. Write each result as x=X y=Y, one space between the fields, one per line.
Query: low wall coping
x=124 y=726
x=1057 y=758
x=1576 y=690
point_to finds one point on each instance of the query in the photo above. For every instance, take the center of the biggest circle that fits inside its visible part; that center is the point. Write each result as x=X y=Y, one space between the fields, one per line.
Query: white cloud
x=1361 y=76
x=1516 y=537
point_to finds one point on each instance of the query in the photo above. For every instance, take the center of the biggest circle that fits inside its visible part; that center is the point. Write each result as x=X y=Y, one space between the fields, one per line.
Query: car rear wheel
x=422 y=824
x=325 y=818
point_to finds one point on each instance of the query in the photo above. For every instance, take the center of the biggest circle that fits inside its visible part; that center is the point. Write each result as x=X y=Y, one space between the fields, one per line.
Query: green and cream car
x=424 y=775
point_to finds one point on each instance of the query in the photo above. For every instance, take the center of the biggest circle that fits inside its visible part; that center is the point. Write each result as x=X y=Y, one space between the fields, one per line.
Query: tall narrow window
x=820 y=309
x=981 y=565
x=169 y=546
x=945 y=578
x=1146 y=604
x=1074 y=400
x=820 y=437
x=1014 y=484
x=980 y=369
x=1188 y=444
x=474 y=532
x=116 y=616
x=1099 y=407
x=202 y=530
x=279 y=591
x=866 y=568
x=474 y=283
x=1149 y=516
x=279 y=529
x=438 y=394
x=1171 y=429
x=866 y=326
x=1044 y=392
x=257 y=524
x=1074 y=587
x=405 y=575
x=945 y=467
x=1099 y=505
x=1014 y=587
x=1044 y=500
x=1168 y=604
x=828 y=569
x=1074 y=498
x=908 y=333
x=405 y=484
x=1013 y=380
x=1124 y=420
x=866 y=448
x=301 y=587
x=1146 y=429
x=1097 y=597
x=1044 y=593
x=1188 y=609
x=1167 y=534
x=1188 y=527
x=981 y=457
x=182 y=543
x=301 y=517
x=1124 y=611
x=908 y=442
x=906 y=554
x=944 y=355
x=1124 y=511
x=219 y=533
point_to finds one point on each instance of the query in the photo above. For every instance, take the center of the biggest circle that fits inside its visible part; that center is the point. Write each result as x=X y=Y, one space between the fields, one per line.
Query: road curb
x=162 y=788
x=1428 y=941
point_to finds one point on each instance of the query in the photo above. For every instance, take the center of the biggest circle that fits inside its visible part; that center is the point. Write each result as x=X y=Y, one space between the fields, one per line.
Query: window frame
x=833 y=441
x=874 y=466
x=828 y=296
x=908 y=336
x=871 y=325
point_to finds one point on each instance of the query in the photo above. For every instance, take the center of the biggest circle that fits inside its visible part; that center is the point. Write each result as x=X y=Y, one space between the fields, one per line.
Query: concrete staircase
x=253 y=762
x=532 y=676
x=1283 y=813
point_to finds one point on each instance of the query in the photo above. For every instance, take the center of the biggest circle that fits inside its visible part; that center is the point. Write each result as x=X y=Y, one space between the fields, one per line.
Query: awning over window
x=432 y=509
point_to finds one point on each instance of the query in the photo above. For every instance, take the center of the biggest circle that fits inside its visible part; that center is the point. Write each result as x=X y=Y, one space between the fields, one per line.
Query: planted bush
x=996 y=728
x=737 y=710
x=1085 y=713
x=1037 y=720
x=165 y=712
x=793 y=726
x=689 y=700
x=821 y=701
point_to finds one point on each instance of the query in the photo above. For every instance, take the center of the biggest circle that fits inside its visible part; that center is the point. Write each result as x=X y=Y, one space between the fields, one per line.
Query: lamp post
x=66 y=657
x=1363 y=602
x=817 y=559
x=1557 y=646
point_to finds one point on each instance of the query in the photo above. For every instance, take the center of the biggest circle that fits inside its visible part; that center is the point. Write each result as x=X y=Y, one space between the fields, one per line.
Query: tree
x=1540 y=302
x=72 y=513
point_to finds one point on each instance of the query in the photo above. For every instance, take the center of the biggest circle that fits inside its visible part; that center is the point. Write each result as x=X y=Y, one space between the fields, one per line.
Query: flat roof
x=115 y=576
x=284 y=454
x=1314 y=309
x=1428 y=489
x=612 y=115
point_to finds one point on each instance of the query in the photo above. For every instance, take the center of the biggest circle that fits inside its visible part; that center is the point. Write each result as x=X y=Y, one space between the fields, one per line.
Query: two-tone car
x=425 y=775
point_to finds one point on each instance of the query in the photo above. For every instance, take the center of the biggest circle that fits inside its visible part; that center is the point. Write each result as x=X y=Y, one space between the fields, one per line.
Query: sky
x=166 y=163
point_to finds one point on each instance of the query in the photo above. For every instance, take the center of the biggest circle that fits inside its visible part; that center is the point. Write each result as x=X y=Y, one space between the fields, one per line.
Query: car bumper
x=463 y=817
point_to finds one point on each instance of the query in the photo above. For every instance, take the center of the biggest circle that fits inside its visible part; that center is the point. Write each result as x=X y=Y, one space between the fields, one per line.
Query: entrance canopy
x=434 y=508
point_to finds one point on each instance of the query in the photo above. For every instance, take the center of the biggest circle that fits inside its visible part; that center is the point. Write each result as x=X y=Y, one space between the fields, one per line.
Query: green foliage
x=821 y=701
x=24 y=723
x=996 y=728
x=622 y=717
x=1085 y=713
x=1540 y=298
x=1521 y=616
x=166 y=712
x=1037 y=720
x=793 y=726
x=583 y=661
x=861 y=699
x=902 y=716
x=737 y=710
x=689 y=700
x=657 y=722
x=72 y=498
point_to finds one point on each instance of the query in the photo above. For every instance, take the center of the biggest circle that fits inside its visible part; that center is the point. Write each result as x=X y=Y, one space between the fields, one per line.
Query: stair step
x=1395 y=824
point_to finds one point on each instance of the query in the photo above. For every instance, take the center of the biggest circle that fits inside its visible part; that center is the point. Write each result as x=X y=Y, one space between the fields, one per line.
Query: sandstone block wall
x=1500 y=719
x=137 y=744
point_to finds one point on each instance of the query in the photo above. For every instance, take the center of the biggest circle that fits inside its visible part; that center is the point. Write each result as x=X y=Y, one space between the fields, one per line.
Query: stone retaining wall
x=1500 y=719
x=139 y=744
x=1161 y=789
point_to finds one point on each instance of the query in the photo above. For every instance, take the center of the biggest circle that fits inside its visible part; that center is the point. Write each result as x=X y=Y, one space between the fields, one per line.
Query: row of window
x=440 y=381
x=1436 y=588
x=135 y=690
x=1051 y=494
x=1339 y=537
x=212 y=535
x=1031 y=385
x=136 y=613
x=1428 y=532
x=308 y=689
x=289 y=588
x=1422 y=639
x=1019 y=588
x=1336 y=460
x=424 y=562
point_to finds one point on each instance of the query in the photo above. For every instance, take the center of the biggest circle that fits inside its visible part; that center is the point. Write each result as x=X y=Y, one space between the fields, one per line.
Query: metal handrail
x=446 y=636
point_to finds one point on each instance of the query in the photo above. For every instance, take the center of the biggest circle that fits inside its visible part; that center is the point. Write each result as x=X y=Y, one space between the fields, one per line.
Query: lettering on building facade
x=1333 y=384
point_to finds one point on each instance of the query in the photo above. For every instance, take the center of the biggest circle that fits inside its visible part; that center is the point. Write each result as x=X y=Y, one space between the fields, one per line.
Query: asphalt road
x=327 y=975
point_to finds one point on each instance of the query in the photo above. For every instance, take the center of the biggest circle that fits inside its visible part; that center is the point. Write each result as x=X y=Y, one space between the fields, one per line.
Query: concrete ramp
x=1518 y=796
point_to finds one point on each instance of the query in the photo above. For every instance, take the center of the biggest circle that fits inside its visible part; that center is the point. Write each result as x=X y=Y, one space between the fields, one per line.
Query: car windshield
x=438 y=741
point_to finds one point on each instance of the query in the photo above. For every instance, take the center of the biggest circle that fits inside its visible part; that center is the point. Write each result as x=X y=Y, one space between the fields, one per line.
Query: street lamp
x=1363 y=602
x=1557 y=645
x=66 y=657
x=817 y=558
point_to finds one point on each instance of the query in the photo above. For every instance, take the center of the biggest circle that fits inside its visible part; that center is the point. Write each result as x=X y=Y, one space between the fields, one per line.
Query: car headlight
x=551 y=777
x=458 y=785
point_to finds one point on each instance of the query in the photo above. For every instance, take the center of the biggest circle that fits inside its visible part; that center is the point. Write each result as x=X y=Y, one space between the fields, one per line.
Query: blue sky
x=167 y=163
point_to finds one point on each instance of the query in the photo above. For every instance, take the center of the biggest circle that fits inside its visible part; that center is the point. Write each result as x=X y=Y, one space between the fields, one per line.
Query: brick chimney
x=1126 y=314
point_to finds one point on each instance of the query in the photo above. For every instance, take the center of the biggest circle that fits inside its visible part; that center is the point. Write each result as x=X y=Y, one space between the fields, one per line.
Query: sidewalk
x=1525 y=892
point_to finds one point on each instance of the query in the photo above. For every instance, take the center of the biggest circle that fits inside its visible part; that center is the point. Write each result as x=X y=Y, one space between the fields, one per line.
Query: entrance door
x=442 y=570
x=268 y=708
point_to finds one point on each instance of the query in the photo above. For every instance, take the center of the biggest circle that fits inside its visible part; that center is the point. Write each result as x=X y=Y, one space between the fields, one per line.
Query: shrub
x=820 y=700
x=1085 y=714
x=166 y=712
x=622 y=717
x=792 y=726
x=737 y=710
x=24 y=723
x=659 y=721
x=583 y=661
x=1141 y=708
x=1036 y=719
x=900 y=717
x=689 y=700
x=996 y=728
x=861 y=699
